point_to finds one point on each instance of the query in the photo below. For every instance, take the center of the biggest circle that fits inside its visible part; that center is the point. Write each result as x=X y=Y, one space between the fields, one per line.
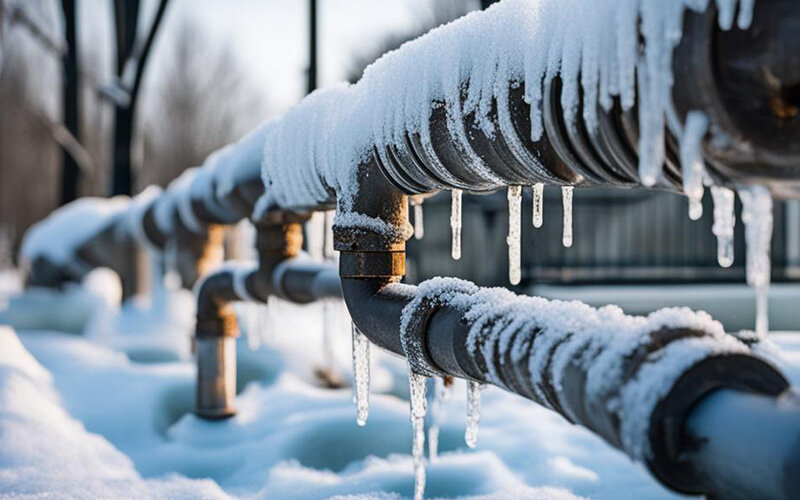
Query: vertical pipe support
x=279 y=237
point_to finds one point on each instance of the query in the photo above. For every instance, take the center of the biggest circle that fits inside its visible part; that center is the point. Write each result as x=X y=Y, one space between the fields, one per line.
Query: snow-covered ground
x=106 y=414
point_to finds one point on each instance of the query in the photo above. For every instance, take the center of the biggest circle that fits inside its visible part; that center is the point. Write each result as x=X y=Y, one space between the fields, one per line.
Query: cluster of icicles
x=599 y=49
x=756 y=215
x=426 y=396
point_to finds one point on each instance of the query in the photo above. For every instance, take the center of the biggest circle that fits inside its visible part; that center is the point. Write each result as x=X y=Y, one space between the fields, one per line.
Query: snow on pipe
x=632 y=380
x=509 y=97
x=181 y=222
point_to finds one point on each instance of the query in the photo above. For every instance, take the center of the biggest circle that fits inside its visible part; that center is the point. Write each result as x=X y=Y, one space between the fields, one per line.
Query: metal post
x=126 y=14
x=312 y=46
x=70 y=173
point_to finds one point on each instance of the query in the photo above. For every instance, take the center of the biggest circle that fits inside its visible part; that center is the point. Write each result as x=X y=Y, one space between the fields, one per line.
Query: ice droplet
x=455 y=222
x=418 y=402
x=692 y=167
x=514 y=236
x=419 y=224
x=473 y=413
x=724 y=222
x=566 y=200
x=360 y=375
x=538 y=204
x=757 y=218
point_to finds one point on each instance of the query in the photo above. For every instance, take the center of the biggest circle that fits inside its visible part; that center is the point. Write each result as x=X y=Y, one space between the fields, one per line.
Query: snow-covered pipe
x=634 y=381
x=182 y=223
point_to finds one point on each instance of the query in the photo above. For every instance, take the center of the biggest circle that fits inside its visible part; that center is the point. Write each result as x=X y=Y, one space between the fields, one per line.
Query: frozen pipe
x=280 y=272
x=653 y=374
x=746 y=81
x=183 y=223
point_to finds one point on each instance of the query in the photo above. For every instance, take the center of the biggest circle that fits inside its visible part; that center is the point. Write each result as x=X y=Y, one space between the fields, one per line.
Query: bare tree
x=28 y=153
x=202 y=102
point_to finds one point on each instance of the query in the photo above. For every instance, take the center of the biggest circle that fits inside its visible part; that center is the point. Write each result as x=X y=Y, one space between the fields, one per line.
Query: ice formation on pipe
x=441 y=389
x=757 y=218
x=566 y=200
x=419 y=223
x=455 y=223
x=473 y=413
x=514 y=238
x=598 y=48
x=692 y=167
x=547 y=337
x=419 y=405
x=61 y=233
x=360 y=375
x=538 y=204
x=724 y=223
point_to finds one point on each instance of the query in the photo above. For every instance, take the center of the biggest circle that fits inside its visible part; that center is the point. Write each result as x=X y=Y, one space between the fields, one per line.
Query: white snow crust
x=57 y=236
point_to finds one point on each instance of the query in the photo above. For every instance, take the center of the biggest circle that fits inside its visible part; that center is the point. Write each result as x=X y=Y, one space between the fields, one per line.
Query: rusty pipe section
x=281 y=271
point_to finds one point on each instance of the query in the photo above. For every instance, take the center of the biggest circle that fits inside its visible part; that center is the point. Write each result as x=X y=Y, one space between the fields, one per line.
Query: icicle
x=566 y=200
x=419 y=224
x=328 y=326
x=538 y=204
x=360 y=375
x=692 y=168
x=514 y=236
x=436 y=413
x=724 y=222
x=455 y=222
x=329 y=251
x=248 y=317
x=418 y=409
x=757 y=218
x=473 y=413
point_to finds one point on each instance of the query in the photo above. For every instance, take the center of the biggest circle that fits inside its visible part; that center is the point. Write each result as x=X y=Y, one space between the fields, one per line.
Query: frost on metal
x=544 y=339
x=598 y=48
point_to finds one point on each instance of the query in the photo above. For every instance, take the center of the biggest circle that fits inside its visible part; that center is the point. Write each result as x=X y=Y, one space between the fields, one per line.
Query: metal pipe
x=746 y=446
x=746 y=81
x=529 y=366
x=280 y=272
